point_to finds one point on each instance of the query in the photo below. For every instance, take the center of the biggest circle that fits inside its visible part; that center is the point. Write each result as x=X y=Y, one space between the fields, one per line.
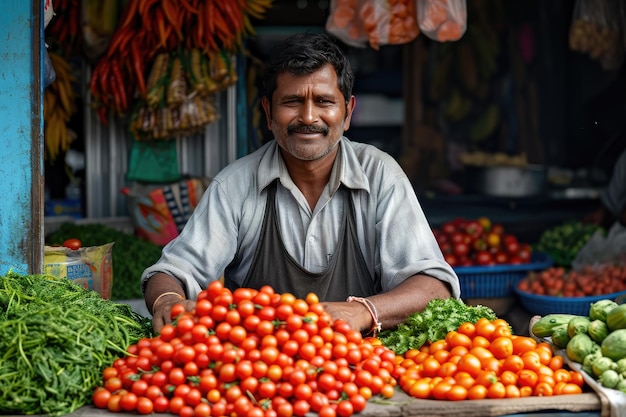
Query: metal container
x=507 y=181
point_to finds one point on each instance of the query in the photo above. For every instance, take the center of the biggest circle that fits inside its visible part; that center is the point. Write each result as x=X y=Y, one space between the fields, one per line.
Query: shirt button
x=311 y=239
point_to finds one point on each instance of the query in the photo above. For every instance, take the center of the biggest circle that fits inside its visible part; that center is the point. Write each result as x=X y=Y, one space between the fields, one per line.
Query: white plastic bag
x=442 y=20
x=375 y=23
x=602 y=250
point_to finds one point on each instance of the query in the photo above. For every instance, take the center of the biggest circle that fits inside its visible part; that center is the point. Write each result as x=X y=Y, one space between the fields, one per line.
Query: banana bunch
x=254 y=9
x=59 y=105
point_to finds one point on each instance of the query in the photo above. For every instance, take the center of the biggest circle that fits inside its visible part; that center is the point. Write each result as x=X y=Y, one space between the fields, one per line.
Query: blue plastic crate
x=548 y=304
x=498 y=280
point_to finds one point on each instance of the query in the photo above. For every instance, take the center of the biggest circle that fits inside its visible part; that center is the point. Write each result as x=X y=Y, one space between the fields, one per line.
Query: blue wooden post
x=21 y=136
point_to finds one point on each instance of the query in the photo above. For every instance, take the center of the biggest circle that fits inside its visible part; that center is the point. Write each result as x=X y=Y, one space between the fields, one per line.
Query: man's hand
x=163 y=310
x=355 y=314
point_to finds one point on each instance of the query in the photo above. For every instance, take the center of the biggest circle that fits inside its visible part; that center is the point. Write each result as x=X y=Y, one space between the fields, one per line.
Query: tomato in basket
x=588 y=281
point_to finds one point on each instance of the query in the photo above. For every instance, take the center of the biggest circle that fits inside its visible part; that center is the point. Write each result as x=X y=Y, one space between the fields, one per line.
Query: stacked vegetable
x=564 y=241
x=148 y=28
x=56 y=338
x=249 y=353
x=471 y=242
x=453 y=351
x=597 y=341
x=588 y=281
x=485 y=360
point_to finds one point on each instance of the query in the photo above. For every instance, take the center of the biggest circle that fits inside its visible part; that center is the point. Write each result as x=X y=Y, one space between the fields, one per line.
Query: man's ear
x=350 y=105
x=267 y=107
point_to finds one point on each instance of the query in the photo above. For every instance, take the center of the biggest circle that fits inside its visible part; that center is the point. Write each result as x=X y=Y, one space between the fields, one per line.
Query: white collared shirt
x=223 y=232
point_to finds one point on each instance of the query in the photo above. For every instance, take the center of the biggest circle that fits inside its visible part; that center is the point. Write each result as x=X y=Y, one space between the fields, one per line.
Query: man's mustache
x=300 y=128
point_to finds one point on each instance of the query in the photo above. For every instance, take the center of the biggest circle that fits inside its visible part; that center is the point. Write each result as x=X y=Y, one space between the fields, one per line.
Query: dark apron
x=347 y=273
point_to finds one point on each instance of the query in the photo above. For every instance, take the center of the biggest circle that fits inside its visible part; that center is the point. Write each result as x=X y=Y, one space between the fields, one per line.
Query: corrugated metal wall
x=107 y=149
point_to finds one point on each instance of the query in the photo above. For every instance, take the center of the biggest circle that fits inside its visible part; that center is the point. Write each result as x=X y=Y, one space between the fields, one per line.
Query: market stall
x=163 y=79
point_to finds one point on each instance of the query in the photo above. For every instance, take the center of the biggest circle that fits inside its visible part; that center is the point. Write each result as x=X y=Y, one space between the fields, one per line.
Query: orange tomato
x=531 y=360
x=556 y=363
x=485 y=329
x=523 y=344
x=481 y=353
x=512 y=391
x=508 y=378
x=441 y=355
x=570 y=388
x=496 y=390
x=544 y=355
x=513 y=363
x=527 y=378
x=467 y=329
x=447 y=369
x=456 y=393
x=464 y=379
x=492 y=364
x=577 y=378
x=480 y=341
x=525 y=391
x=458 y=350
x=420 y=389
x=470 y=364
x=477 y=392
x=543 y=389
x=501 y=331
x=501 y=347
x=440 y=390
x=430 y=366
x=562 y=375
x=486 y=378
x=438 y=345
x=455 y=339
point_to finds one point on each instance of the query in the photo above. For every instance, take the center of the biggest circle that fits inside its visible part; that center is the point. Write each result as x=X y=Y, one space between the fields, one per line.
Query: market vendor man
x=310 y=211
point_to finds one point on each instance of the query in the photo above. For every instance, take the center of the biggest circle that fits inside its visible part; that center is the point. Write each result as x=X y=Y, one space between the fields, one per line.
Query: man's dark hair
x=305 y=53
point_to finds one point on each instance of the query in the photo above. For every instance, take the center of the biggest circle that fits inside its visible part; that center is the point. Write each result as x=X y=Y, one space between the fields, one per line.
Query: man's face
x=308 y=114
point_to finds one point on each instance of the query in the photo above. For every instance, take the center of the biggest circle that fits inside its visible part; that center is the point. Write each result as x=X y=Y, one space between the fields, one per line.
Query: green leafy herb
x=433 y=323
x=55 y=339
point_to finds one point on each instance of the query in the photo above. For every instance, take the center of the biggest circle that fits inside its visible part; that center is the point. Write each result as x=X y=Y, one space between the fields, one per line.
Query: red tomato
x=484 y=258
x=73 y=244
x=461 y=249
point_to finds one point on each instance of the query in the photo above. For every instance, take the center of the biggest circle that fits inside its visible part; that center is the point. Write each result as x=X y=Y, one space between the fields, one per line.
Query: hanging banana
x=58 y=108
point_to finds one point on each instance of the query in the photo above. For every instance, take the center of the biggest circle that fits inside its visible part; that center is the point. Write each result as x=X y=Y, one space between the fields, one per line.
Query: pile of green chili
x=55 y=339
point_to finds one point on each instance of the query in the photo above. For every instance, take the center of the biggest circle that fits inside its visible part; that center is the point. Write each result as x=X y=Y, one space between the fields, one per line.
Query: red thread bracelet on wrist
x=376 y=325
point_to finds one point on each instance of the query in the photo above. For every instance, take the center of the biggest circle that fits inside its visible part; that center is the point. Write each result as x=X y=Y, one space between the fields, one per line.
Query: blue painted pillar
x=21 y=136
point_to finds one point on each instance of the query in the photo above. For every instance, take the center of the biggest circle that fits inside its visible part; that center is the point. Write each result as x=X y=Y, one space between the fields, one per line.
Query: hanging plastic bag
x=373 y=22
x=595 y=30
x=603 y=249
x=153 y=161
x=442 y=20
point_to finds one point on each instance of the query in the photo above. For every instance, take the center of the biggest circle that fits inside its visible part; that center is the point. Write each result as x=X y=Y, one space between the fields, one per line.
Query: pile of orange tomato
x=485 y=360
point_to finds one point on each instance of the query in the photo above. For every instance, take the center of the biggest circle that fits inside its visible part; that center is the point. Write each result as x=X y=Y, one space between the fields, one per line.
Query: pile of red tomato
x=484 y=360
x=250 y=353
x=479 y=242
x=586 y=282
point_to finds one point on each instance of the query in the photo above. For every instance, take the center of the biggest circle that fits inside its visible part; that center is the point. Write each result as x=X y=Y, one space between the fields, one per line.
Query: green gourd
x=579 y=346
x=616 y=318
x=598 y=330
x=614 y=345
x=545 y=325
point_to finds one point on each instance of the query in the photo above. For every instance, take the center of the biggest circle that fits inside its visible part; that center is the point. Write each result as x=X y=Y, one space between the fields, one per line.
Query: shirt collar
x=347 y=169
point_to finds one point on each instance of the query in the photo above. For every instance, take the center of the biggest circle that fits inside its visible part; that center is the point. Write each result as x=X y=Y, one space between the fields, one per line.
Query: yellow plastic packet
x=90 y=267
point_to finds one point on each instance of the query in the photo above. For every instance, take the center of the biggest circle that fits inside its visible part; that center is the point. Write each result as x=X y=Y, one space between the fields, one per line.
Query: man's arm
x=392 y=307
x=161 y=293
